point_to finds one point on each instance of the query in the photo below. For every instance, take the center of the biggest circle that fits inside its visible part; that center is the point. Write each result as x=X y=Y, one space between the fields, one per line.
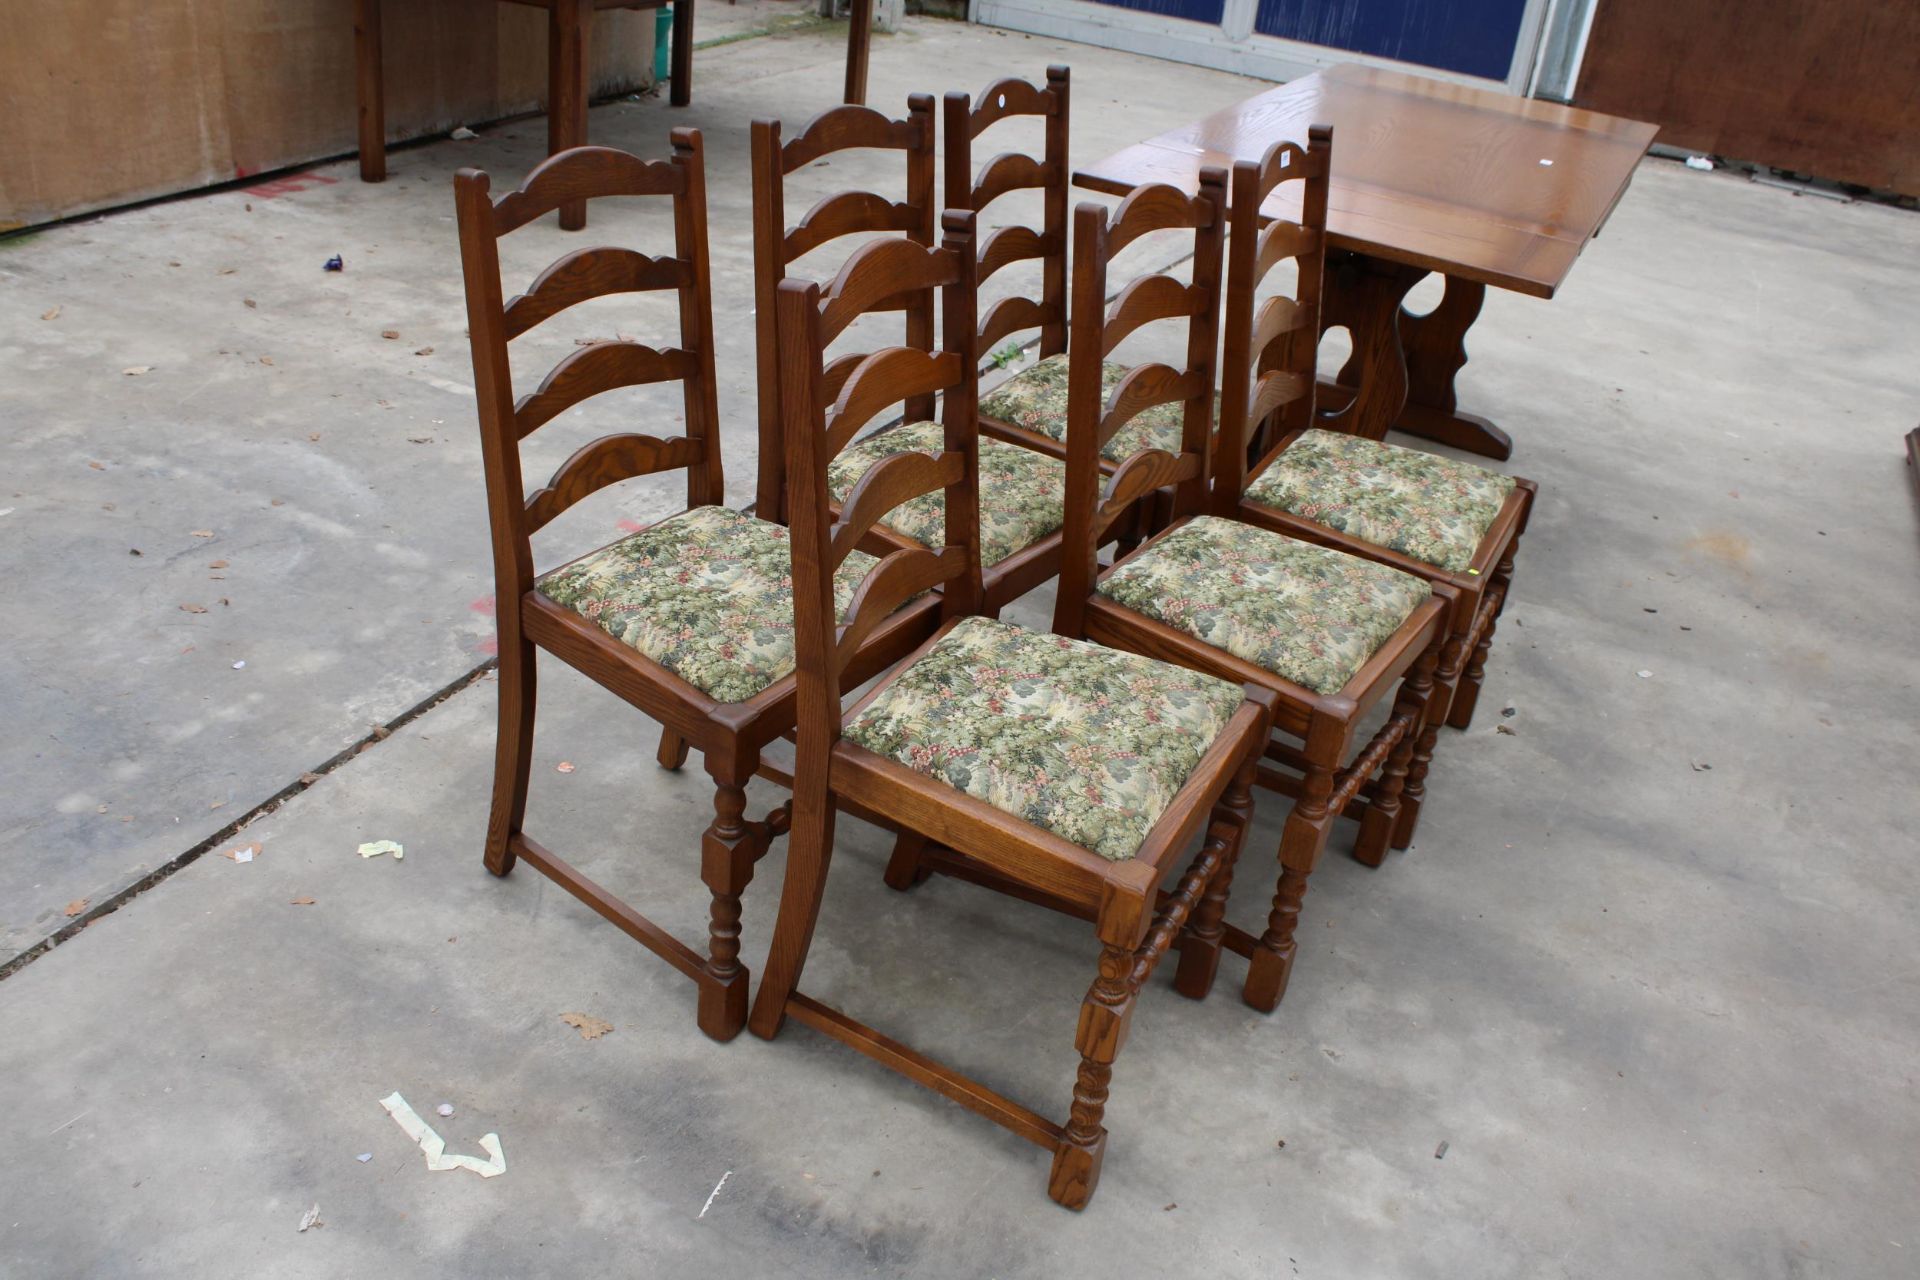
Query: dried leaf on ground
x=98 y=466
x=216 y=564
x=589 y=1027
x=424 y=351
x=51 y=313
x=193 y=608
x=75 y=907
x=250 y=302
x=135 y=370
x=389 y=333
x=266 y=359
x=565 y=766
x=301 y=902
x=203 y=533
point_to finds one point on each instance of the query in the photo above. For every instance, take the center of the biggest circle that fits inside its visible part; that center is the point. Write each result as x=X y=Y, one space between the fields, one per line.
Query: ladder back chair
x=690 y=619
x=1453 y=523
x=1007 y=172
x=1030 y=408
x=853 y=212
x=1326 y=634
x=1040 y=814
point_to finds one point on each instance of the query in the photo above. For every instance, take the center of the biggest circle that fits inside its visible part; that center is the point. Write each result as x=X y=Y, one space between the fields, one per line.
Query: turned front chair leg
x=513 y=754
x=727 y=854
x=1105 y=1016
x=1301 y=842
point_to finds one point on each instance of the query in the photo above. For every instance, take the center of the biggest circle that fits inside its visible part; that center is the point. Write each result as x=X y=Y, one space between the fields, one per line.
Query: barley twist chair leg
x=1382 y=818
x=1199 y=943
x=1301 y=842
x=1414 y=793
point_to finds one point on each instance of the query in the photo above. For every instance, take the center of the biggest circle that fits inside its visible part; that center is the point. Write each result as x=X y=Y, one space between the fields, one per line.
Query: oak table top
x=1428 y=174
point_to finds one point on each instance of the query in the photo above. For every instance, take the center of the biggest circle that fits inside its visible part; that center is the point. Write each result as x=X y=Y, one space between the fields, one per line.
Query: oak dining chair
x=1452 y=523
x=1055 y=768
x=1327 y=635
x=688 y=619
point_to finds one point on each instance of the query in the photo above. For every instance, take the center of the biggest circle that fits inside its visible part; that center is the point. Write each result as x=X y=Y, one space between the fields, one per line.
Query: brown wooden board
x=1829 y=89
x=110 y=101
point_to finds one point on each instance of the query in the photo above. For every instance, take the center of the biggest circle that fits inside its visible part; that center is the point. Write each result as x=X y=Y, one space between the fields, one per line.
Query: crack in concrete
x=107 y=906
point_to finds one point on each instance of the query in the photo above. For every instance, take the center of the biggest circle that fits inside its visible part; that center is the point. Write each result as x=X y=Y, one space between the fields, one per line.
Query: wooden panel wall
x=107 y=101
x=1825 y=87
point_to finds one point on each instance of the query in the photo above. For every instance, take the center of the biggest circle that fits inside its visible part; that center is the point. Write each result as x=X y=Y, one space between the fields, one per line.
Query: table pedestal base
x=1401 y=373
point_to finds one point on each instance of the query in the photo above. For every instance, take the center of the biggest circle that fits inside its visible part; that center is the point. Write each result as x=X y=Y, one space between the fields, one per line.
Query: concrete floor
x=1660 y=1012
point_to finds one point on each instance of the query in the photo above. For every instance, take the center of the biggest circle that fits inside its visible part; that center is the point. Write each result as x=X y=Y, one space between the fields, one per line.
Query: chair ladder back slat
x=590 y=273
x=882 y=379
x=583 y=173
x=599 y=463
x=591 y=370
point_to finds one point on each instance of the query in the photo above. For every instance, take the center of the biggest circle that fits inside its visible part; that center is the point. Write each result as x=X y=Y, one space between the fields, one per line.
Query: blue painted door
x=1472 y=37
x=1208 y=11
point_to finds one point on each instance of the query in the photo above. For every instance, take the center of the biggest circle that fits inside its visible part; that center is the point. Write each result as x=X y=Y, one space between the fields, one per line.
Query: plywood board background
x=1830 y=89
x=108 y=101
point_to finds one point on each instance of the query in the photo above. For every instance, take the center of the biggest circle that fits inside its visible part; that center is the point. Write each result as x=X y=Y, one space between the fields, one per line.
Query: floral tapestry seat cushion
x=1036 y=399
x=1083 y=741
x=1431 y=508
x=707 y=594
x=1022 y=493
x=1308 y=614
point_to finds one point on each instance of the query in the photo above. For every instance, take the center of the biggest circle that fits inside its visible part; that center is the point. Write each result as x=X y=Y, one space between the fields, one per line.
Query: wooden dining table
x=1482 y=187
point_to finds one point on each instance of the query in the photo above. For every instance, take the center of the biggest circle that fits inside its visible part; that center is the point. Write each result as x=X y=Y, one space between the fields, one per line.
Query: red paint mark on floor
x=483 y=605
x=288 y=186
x=490 y=645
x=629 y=526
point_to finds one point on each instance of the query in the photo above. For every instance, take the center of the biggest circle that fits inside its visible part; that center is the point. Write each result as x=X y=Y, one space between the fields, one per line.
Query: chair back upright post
x=1097 y=330
x=776 y=245
x=572 y=176
x=822 y=416
x=1012 y=171
x=1268 y=377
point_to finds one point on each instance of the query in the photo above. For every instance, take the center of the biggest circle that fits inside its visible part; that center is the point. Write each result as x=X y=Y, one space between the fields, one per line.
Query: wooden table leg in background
x=568 y=22
x=1436 y=348
x=680 y=91
x=367 y=88
x=859 y=40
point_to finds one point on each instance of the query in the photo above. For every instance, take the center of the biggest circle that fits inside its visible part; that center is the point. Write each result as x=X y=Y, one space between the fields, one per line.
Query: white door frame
x=1233 y=45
